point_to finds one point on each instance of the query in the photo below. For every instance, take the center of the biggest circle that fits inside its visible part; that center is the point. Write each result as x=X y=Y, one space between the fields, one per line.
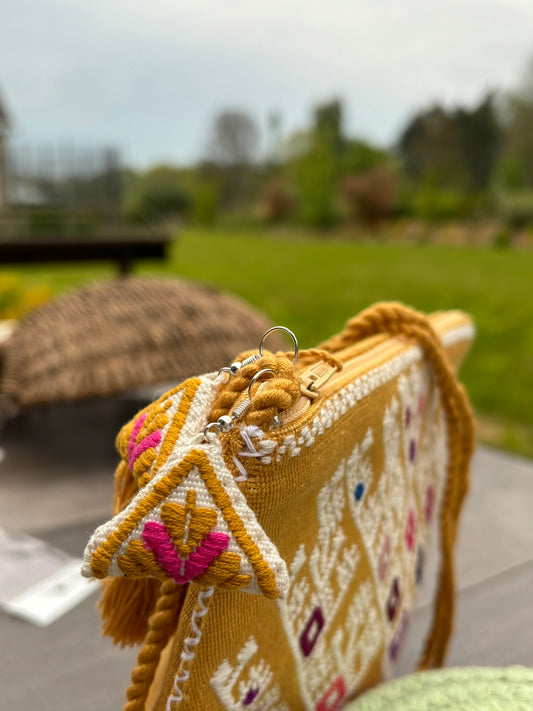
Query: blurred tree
x=5 y=123
x=370 y=195
x=314 y=162
x=232 y=148
x=314 y=173
x=328 y=124
x=430 y=149
x=274 y=151
x=319 y=157
x=277 y=201
x=296 y=144
x=482 y=138
x=156 y=194
x=360 y=156
x=455 y=149
x=205 y=194
x=234 y=139
x=516 y=166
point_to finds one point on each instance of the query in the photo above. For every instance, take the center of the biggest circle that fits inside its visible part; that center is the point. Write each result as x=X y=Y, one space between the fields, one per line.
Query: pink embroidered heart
x=182 y=570
x=135 y=450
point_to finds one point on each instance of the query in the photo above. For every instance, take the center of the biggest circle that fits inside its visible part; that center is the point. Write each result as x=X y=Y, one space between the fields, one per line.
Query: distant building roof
x=25 y=194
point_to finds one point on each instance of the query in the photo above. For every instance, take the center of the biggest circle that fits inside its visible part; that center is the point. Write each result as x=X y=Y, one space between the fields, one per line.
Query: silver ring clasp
x=288 y=332
x=256 y=377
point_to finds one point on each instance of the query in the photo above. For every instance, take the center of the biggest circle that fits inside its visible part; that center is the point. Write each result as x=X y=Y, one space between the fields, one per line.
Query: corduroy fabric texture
x=324 y=520
x=463 y=689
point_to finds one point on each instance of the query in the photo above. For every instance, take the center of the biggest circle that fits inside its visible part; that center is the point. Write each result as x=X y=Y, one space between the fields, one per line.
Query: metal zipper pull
x=311 y=380
x=315 y=377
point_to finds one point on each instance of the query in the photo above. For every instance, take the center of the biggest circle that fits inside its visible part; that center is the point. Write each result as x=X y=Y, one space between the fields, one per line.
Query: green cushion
x=464 y=689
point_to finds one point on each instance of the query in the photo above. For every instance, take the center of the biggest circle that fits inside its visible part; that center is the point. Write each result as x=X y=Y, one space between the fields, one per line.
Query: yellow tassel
x=125 y=487
x=125 y=606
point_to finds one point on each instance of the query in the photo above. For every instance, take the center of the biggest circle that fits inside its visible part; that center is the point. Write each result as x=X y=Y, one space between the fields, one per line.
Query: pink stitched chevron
x=158 y=540
x=135 y=450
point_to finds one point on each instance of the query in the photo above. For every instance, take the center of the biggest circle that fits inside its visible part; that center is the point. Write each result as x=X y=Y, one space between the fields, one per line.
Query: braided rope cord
x=270 y=397
x=286 y=384
x=160 y=627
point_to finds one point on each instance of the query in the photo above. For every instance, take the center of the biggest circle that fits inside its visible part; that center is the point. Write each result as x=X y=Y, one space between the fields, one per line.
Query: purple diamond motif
x=250 y=696
x=393 y=601
x=311 y=631
x=419 y=568
x=397 y=640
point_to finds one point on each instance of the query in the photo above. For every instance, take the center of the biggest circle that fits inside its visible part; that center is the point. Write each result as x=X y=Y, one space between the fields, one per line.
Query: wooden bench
x=122 y=249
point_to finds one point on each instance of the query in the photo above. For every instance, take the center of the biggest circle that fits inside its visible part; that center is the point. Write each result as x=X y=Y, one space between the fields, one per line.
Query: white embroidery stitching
x=253 y=692
x=266 y=448
x=188 y=652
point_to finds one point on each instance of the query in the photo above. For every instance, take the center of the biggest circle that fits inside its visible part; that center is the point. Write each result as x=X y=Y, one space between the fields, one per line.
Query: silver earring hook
x=285 y=330
x=237 y=365
x=227 y=422
x=256 y=376
x=211 y=426
x=225 y=369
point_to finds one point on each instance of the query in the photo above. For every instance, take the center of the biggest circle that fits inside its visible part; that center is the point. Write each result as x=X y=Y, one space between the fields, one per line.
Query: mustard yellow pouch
x=272 y=521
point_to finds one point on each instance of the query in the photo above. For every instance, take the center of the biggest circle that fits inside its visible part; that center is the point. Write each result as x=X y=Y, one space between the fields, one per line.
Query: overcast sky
x=148 y=75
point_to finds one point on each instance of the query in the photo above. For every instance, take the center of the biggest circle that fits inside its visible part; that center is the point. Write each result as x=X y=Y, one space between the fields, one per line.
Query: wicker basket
x=122 y=334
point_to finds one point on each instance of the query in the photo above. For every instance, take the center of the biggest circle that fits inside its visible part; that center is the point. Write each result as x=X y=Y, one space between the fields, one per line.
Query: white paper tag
x=47 y=600
x=37 y=581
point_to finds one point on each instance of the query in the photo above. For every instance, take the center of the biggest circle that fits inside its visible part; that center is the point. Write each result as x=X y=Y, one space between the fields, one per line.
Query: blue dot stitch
x=359 y=491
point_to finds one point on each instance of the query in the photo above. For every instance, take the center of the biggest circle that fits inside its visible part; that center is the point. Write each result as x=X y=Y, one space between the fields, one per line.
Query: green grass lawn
x=314 y=285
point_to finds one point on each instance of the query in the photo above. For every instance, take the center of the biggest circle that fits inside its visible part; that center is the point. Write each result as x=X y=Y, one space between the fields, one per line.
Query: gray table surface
x=56 y=483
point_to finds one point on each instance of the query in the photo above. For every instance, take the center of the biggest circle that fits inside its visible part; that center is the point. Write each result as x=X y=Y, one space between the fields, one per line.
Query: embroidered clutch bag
x=272 y=520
